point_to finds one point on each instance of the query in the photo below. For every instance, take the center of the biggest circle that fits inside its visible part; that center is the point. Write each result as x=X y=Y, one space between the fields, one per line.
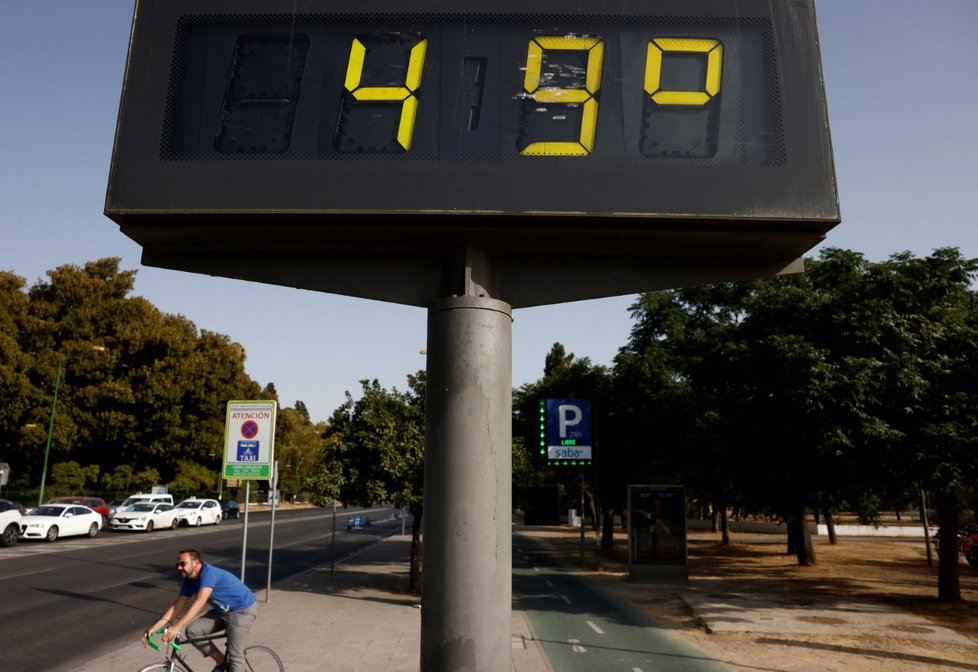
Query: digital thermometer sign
x=483 y=88
x=686 y=135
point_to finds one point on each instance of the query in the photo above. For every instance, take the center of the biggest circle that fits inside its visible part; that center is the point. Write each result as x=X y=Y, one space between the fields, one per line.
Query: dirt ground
x=891 y=572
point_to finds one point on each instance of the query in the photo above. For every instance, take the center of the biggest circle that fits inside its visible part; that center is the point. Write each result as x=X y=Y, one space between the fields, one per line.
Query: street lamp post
x=54 y=408
x=47 y=447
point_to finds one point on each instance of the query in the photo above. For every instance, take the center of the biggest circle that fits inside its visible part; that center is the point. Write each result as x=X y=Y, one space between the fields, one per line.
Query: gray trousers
x=238 y=625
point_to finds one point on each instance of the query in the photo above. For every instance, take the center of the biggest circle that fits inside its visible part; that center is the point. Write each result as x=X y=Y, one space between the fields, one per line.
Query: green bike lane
x=582 y=628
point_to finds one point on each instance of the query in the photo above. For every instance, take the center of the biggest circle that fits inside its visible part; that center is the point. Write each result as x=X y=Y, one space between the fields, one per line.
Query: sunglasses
x=182 y=563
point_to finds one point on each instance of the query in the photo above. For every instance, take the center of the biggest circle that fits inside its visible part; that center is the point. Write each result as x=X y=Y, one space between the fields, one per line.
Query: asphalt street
x=79 y=596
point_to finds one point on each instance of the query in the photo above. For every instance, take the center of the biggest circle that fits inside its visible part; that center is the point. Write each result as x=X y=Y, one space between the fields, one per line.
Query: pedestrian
x=232 y=608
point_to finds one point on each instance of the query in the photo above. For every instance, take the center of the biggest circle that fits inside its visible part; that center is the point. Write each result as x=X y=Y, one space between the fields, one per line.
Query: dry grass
x=891 y=571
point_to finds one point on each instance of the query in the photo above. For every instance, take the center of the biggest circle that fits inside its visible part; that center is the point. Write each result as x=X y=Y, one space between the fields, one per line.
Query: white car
x=146 y=517
x=11 y=514
x=198 y=512
x=140 y=498
x=60 y=520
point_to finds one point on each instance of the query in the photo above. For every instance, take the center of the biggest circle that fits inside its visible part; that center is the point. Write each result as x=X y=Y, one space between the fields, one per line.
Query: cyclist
x=233 y=607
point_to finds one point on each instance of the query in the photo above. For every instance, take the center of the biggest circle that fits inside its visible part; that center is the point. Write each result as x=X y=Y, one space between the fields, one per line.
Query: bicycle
x=257 y=658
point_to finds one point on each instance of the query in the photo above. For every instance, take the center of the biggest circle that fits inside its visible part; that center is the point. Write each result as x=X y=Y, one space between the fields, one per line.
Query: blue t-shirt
x=228 y=594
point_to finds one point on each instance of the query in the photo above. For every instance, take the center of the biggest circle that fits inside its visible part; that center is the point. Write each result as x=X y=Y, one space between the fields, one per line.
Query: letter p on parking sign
x=568 y=431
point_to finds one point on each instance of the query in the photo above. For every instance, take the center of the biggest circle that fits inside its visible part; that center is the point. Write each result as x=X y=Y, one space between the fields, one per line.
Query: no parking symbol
x=249 y=429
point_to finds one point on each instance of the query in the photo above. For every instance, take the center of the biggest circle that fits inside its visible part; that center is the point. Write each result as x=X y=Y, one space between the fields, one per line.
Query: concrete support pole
x=467 y=587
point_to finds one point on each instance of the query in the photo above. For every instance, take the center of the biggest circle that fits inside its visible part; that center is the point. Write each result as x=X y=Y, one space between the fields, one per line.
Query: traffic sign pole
x=271 y=530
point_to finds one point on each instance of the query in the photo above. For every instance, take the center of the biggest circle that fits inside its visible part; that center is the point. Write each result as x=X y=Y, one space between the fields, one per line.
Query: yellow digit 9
x=659 y=46
x=406 y=94
x=547 y=94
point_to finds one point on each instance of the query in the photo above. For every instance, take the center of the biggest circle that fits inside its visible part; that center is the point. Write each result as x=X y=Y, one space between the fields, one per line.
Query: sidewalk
x=359 y=619
x=356 y=619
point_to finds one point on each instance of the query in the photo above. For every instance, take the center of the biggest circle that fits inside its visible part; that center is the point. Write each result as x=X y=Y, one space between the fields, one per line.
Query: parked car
x=146 y=517
x=198 y=512
x=94 y=503
x=60 y=520
x=10 y=516
x=229 y=508
x=114 y=506
x=141 y=498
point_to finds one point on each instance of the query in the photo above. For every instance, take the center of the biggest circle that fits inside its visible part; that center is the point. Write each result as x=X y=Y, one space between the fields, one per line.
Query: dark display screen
x=586 y=147
x=443 y=87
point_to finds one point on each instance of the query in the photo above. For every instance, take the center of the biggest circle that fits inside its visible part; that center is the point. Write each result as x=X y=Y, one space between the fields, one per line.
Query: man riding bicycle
x=233 y=607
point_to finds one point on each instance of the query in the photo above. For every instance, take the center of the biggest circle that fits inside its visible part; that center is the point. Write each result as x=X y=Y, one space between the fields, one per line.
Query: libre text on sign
x=249 y=440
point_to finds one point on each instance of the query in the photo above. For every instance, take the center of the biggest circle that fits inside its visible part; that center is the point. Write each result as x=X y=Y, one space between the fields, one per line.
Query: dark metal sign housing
x=590 y=149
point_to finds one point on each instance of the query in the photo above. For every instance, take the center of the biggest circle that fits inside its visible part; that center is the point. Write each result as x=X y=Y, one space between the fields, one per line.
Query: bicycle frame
x=257 y=658
x=173 y=650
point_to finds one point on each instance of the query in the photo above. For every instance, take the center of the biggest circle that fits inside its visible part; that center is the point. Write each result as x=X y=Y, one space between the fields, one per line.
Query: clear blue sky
x=903 y=101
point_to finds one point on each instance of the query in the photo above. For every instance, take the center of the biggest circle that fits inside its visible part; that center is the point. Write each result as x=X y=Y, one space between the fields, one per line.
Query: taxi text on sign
x=249 y=440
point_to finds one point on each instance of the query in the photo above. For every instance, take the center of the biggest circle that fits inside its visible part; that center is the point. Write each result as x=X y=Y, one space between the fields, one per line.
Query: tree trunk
x=830 y=524
x=414 y=575
x=593 y=505
x=608 y=530
x=948 y=575
x=724 y=527
x=800 y=540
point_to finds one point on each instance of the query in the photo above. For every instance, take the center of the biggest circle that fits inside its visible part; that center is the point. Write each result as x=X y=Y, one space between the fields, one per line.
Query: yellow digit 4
x=406 y=94
x=659 y=46
x=584 y=95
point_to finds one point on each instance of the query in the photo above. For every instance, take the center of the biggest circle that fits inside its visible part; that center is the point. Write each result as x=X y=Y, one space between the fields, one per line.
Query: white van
x=142 y=498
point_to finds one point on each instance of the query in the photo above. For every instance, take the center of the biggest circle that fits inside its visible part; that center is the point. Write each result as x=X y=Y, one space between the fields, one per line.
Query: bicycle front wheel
x=165 y=667
x=263 y=659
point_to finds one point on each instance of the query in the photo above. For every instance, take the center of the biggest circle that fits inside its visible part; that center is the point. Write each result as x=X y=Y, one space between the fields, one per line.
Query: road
x=79 y=596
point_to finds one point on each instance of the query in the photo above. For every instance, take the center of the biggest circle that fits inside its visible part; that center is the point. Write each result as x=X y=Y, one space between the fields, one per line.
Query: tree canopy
x=374 y=452
x=849 y=387
x=140 y=391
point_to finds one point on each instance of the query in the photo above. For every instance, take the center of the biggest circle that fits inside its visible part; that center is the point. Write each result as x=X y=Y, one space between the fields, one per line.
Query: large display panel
x=540 y=130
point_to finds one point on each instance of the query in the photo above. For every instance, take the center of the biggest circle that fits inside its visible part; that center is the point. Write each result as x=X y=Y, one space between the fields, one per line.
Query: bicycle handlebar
x=149 y=639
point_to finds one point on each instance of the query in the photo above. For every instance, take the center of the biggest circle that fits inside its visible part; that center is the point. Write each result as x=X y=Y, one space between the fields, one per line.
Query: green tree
x=844 y=386
x=678 y=387
x=565 y=377
x=139 y=388
x=297 y=443
x=193 y=480
x=70 y=478
x=931 y=359
x=145 y=480
x=20 y=431
x=374 y=452
x=118 y=481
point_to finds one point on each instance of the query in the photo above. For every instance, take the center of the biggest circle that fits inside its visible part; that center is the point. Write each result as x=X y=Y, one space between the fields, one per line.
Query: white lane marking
x=576 y=646
x=595 y=627
x=636 y=669
x=32 y=573
x=549 y=583
x=565 y=599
